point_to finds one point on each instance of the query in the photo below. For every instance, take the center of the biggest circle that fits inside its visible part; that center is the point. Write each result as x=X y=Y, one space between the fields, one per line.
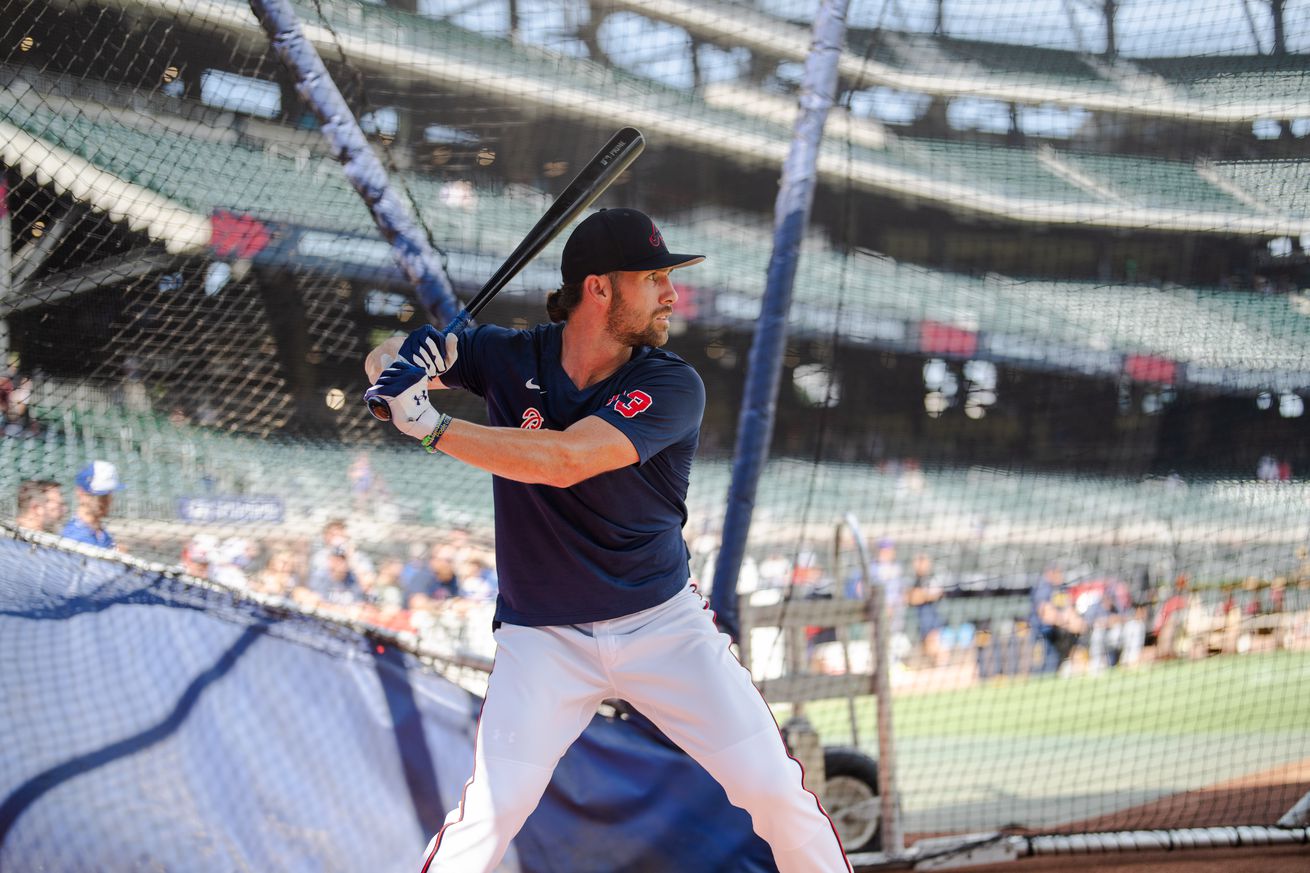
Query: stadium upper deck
x=204 y=189
x=1214 y=90
x=1040 y=188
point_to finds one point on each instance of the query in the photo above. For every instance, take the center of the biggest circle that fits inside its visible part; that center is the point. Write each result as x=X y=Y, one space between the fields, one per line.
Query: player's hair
x=561 y=302
x=32 y=491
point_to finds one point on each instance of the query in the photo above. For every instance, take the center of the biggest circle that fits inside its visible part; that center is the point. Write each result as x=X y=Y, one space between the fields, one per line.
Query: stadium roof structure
x=1219 y=90
x=1039 y=191
x=48 y=162
x=197 y=189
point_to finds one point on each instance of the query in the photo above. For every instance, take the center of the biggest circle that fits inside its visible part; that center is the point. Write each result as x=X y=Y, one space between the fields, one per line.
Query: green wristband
x=430 y=441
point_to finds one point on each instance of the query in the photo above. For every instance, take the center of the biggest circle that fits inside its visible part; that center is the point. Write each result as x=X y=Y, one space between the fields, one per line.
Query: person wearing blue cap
x=96 y=484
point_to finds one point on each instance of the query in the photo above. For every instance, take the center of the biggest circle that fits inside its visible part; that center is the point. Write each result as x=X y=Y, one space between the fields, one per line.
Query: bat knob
x=377 y=407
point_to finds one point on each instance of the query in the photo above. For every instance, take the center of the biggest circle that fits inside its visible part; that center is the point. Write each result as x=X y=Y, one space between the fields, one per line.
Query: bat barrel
x=599 y=173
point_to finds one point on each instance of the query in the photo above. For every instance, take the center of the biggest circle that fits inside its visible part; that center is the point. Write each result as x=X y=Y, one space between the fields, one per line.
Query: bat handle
x=459 y=322
x=377 y=406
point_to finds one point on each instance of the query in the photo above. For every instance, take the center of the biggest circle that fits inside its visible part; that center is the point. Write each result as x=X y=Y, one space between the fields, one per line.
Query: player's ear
x=598 y=286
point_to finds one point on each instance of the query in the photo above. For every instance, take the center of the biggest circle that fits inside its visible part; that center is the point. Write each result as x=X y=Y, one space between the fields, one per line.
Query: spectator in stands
x=198 y=555
x=41 y=505
x=1114 y=634
x=232 y=558
x=96 y=484
x=417 y=575
x=1053 y=619
x=279 y=576
x=247 y=555
x=336 y=538
x=437 y=582
x=379 y=601
x=335 y=582
x=923 y=597
x=887 y=570
x=1271 y=469
x=1277 y=596
x=1170 y=621
x=18 y=420
x=386 y=591
x=477 y=579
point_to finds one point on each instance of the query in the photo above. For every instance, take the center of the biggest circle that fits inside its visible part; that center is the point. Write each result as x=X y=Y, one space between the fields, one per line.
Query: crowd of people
x=1086 y=622
x=334 y=574
x=41 y=505
x=1093 y=625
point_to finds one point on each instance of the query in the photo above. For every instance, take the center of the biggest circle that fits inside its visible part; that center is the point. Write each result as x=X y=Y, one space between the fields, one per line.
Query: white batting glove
x=404 y=387
x=430 y=349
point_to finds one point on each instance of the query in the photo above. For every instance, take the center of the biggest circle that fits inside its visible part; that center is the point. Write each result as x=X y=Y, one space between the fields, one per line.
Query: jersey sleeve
x=658 y=406
x=466 y=373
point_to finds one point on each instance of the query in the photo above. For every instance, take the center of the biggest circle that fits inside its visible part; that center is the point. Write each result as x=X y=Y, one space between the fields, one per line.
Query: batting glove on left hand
x=404 y=387
x=430 y=349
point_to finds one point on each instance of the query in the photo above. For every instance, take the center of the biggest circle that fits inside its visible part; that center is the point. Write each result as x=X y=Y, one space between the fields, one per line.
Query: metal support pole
x=791 y=215
x=893 y=839
x=1298 y=816
x=6 y=269
x=361 y=166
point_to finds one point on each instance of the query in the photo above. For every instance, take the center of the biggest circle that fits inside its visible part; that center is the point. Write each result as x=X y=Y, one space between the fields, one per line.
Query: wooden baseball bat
x=599 y=173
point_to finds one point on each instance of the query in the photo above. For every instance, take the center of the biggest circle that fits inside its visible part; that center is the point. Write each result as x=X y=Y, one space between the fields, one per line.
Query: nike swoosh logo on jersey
x=532 y=383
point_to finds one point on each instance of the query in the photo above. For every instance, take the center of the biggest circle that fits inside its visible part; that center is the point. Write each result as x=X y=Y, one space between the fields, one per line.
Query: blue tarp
x=149 y=723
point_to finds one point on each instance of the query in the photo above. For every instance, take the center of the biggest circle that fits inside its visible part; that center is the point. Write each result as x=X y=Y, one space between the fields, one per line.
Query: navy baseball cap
x=618 y=240
x=99 y=478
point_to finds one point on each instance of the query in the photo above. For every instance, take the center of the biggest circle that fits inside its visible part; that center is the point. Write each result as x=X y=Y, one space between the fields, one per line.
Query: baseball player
x=592 y=432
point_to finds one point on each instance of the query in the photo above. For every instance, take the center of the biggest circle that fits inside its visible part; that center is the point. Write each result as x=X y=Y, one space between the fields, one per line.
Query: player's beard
x=630 y=328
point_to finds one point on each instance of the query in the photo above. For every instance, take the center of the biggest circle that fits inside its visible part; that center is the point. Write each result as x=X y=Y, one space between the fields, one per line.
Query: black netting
x=1050 y=320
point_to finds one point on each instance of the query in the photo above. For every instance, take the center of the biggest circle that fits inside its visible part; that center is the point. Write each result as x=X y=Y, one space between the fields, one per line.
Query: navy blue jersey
x=611 y=545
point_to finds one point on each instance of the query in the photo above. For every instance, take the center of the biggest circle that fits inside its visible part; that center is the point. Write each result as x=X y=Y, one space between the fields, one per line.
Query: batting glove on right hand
x=404 y=387
x=424 y=348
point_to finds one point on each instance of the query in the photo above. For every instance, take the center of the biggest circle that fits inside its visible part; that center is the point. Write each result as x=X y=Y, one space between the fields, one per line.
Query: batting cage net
x=1042 y=391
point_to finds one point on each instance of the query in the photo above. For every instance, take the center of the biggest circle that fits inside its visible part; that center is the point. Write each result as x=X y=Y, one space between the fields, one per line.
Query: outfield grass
x=1229 y=695
x=1040 y=751
x=1234 y=694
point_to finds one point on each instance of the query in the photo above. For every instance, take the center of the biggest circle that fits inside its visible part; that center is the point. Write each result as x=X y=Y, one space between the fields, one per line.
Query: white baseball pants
x=675 y=667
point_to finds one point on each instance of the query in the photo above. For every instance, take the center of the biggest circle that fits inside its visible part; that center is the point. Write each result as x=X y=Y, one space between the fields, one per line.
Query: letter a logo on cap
x=655 y=239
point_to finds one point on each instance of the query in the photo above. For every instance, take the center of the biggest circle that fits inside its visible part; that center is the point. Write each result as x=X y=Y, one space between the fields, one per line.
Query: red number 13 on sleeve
x=636 y=402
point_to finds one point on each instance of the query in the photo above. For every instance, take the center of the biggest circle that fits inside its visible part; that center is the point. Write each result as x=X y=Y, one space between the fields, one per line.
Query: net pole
x=361 y=166
x=6 y=267
x=791 y=216
x=893 y=837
